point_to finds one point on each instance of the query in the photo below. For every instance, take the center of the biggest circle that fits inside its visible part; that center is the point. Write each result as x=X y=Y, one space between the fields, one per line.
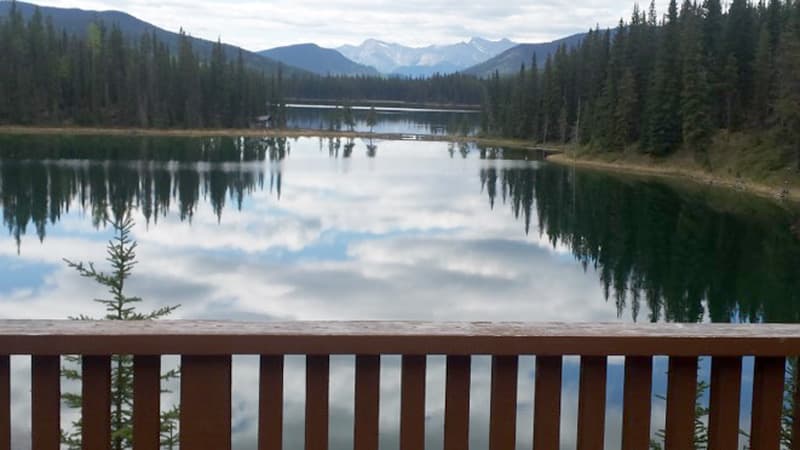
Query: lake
x=396 y=120
x=335 y=229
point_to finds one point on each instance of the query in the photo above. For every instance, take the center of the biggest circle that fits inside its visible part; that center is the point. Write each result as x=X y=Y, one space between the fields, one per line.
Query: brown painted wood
x=205 y=402
x=412 y=405
x=270 y=401
x=5 y=403
x=637 y=401
x=96 y=398
x=317 y=394
x=220 y=338
x=503 y=407
x=547 y=406
x=456 y=402
x=681 y=395
x=796 y=411
x=45 y=402
x=768 y=377
x=592 y=403
x=146 y=402
x=367 y=402
x=723 y=417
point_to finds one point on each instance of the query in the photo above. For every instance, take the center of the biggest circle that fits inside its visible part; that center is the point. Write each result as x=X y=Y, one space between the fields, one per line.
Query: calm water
x=273 y=229
x=390 y=120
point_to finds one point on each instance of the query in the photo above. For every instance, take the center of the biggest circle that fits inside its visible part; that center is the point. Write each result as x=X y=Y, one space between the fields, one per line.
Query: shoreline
x=557 y=155
x=259 y=132
x=698 y=177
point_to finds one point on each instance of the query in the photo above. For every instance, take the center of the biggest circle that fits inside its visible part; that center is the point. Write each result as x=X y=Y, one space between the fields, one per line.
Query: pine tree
x=121 y=255
x=695 y=109
x=664 y=99
x=787 y=106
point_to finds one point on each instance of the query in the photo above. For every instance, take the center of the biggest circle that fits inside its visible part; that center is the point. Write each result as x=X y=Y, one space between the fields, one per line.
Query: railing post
x=768 y=379
x=96 y=398
x=5 y=403
x=681 y=395
x=367 y=402
x=592 y=403
x=46 y=402
x=503 y=409
x=317 y=395
x=412 y=404
x=146 y=402
x=456 y=403
x=723 y=416
x=637 y=402
x=547 y=406
x=270 y=410
x=205 y=402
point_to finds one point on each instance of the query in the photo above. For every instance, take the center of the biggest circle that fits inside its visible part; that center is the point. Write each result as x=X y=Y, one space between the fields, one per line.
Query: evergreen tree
x=695 y=108
x=121 y=255
x=664 y=99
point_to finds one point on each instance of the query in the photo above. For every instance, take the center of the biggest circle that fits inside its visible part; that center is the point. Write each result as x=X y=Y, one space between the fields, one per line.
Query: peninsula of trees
x=658 y=85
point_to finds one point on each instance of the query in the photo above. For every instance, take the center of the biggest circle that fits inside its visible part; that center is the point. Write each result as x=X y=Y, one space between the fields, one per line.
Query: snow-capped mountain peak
x=392 y=58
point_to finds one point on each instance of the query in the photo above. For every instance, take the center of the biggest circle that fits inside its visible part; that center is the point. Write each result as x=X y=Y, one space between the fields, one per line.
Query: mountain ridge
x=396 y=59
x=76 y=21
x=318 y=60
x=512 y=59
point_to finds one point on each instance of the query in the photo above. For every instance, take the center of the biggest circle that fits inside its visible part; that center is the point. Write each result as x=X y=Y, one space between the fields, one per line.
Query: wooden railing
x=206 y=349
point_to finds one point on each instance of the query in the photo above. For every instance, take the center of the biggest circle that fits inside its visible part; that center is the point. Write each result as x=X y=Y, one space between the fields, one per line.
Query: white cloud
x=257 y=25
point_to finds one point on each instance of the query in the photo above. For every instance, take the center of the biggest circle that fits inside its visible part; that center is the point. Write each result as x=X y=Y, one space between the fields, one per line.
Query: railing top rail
x=366 y=337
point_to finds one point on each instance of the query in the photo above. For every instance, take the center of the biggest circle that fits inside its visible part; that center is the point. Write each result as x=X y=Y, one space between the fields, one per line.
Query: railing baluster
x=270 y=403
x=681 y=395
x=5 y=403
x=723 y=417
x=796 y=404
x=503 y=410
x=317 y=386
x=592 y=403
x=768 y=380
x=96 y=402
x=205 y=402
x=46 y=402
x=637 y=401
x=146 y=402
x=367 y=402
x=456 y=403
x=547 y=407
x=412 y=405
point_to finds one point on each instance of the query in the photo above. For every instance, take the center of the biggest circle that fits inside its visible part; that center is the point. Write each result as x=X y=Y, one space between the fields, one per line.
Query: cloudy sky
x=257 y=25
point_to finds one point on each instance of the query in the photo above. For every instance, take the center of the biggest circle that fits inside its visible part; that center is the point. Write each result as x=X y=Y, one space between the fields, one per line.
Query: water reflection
x=389 y=120
x=270 y=229
x=689 y=256
x=660 y=253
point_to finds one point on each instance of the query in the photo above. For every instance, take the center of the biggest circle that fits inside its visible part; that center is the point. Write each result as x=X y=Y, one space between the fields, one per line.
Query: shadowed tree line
x=100 y=77
x=43 y=178
x=687 y=256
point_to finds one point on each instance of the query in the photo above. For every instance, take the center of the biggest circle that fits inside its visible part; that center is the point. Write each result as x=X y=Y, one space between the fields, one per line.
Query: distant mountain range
x=510 y=60
x=318 y=60
x=396 y=59
x=479 y=57
x=77 y=21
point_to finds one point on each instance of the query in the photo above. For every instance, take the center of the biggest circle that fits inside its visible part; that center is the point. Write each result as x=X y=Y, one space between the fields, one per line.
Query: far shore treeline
x=663 y=84
x=102 y=77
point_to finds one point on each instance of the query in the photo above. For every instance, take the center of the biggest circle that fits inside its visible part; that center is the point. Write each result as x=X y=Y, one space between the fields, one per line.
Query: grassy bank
x=736 y=161
x=255 y=132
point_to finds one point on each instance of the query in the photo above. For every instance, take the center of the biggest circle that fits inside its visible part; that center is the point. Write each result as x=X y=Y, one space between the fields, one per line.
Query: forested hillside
x=453 y=89
x=103 y=76
x=664 y=84
x=48 y=76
